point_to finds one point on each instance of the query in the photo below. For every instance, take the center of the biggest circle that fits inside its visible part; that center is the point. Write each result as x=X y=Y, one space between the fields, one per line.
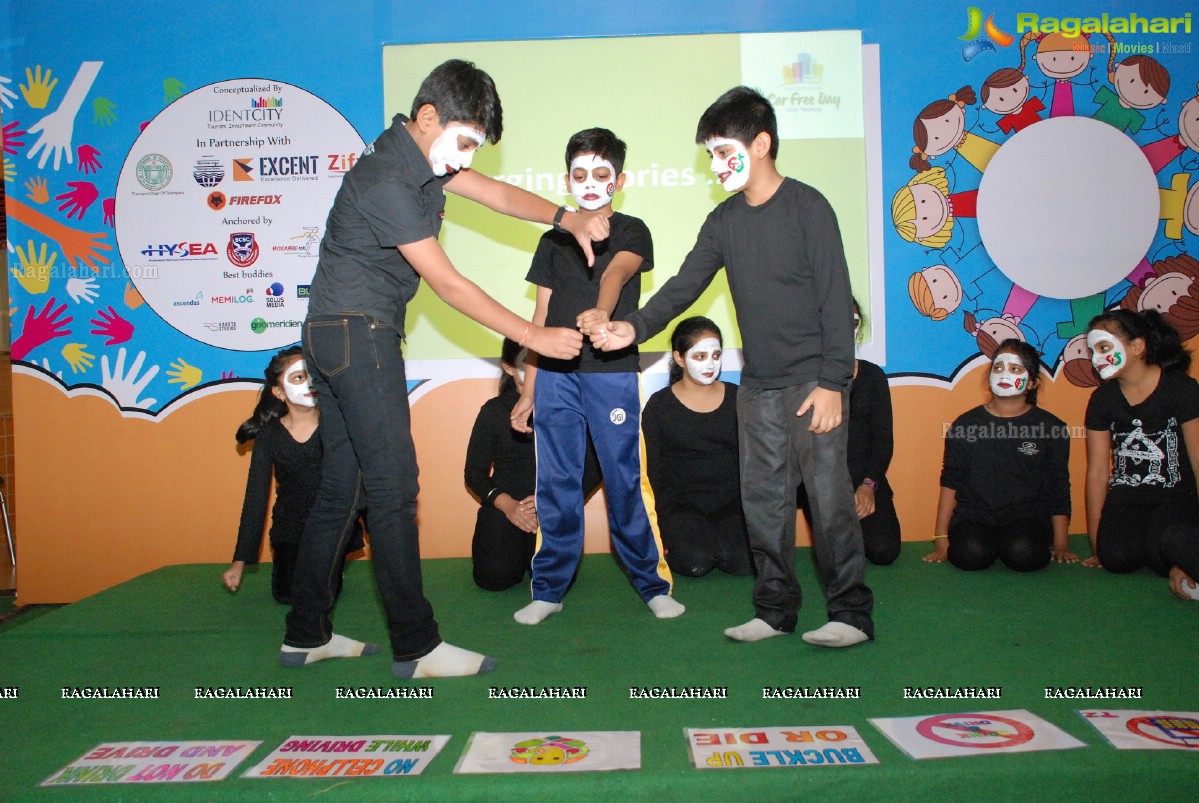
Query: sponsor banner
x=224 y=194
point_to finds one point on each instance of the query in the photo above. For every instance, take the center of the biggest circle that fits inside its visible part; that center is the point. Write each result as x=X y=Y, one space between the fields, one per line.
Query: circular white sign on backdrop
x=221 y=206
x=1068 y=207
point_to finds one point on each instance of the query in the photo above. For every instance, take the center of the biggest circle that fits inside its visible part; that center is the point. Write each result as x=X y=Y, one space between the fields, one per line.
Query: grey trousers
x=777 y=454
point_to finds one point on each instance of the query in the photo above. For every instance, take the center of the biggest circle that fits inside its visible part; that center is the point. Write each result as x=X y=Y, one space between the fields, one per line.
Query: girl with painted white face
x=1005 y=482
x=286 y=447
x=1142 y=449
x=690 y=432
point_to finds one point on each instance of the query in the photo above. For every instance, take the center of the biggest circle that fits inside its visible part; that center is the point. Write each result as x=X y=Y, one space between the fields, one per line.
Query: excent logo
x=1104 y=23
x=251 y=200
x=288 y=165
x=179 y=250
x=242 y=169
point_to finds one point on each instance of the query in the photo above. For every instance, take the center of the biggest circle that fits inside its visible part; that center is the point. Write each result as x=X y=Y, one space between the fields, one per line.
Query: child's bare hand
x=940 y=551
x=232 y=575
x=1177 y=579
x=555 y=341
x=523 y=514
x=520 y=414
x=587 y=227
x=826 y=410
x=591 y=320
x=613 y=336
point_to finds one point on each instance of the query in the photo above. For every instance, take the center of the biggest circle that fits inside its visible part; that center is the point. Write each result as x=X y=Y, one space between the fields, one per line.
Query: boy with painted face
x=380 y=241
x=778 y=241
x=1142 y=449
x=597 y=392
x=1005 y=483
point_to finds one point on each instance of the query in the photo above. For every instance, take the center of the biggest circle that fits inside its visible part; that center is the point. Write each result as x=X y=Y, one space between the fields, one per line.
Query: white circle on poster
x=221 y=206
x=1068 y=207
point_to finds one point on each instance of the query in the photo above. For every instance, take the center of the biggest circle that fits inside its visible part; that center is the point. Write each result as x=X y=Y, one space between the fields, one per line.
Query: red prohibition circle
x=1134 y=725
x=926 y=727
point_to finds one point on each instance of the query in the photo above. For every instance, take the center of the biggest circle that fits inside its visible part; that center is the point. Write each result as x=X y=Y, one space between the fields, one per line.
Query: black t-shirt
x=389 y=198
x=296 y=468
x=1150 y=464
x=1005 y=469
x=560 y=266
x=691 y=457
x=871 y=439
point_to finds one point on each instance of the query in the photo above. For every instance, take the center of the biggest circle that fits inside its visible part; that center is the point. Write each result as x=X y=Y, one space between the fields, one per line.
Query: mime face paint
x=297 y=386
x=730 y=162
x=702 y=361
x=1108 y=354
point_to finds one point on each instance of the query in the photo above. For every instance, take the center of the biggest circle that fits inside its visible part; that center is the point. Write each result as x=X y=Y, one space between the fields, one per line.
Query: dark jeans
x=357 y=369
x=777 y=454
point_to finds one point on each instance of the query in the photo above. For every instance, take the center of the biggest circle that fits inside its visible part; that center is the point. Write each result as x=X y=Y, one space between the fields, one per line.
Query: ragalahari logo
x=804 y=70
x=975 y=26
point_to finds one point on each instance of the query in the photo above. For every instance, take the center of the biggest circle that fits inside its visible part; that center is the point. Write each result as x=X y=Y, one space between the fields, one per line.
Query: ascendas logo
x=1104 y=23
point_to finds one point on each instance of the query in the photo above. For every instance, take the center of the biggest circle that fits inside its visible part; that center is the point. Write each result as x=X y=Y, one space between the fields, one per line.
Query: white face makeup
x=1008 y=376
x=592 y=181
x=297 y=387
x=702 y=361
x=1108 y=354
x=454 y=148
x=730 y=162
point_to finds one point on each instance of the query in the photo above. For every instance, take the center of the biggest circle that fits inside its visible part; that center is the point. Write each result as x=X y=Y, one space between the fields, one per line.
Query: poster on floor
x=551 y=751
x=153 y=762
x=349 y=756
x=1147 y=730
x=974 y=734
x=800 y=746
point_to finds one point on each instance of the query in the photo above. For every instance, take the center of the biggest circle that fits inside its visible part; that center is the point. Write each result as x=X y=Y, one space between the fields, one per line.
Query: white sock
x=445 y=661
x=753 y=630
x=665 y=606
x=835 y=634
x=536 y=611
x=336 y=647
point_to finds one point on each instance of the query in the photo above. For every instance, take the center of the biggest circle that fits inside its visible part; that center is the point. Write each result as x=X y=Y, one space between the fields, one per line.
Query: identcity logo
x=266 y=103
x=804 y=70
x=976 y=26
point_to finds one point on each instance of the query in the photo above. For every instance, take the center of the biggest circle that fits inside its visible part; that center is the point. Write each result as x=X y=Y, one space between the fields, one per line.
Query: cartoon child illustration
x=1167 y=149
x=1076 y=363
x=1179 y=207
x=992 y=331
x=1172 y=288
x=923 y=210
x=1061 y=59
x=551 y=750
x=935 y=291
x=1141 y=83
x=941 y=127
x=1006 y=92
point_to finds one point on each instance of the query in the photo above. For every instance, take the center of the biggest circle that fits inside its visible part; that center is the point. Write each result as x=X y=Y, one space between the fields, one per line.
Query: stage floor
x=178 y=629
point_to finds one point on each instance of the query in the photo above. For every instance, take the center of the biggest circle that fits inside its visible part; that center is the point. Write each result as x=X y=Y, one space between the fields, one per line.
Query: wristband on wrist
x=871 y=484
x=935 y=537
x=561 y=213
x=491 y=495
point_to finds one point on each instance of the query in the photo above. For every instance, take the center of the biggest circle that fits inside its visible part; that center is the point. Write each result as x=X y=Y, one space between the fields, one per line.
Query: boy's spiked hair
x=462 y=93
x=600 y=141
x=741 y=114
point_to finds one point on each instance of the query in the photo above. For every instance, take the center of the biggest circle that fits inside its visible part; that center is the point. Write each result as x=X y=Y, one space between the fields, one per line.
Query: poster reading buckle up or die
x=1147 y=730
x=153 y=762
x=974 y=734
x=551 y=751
x=801 y=746
x=349 y=756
